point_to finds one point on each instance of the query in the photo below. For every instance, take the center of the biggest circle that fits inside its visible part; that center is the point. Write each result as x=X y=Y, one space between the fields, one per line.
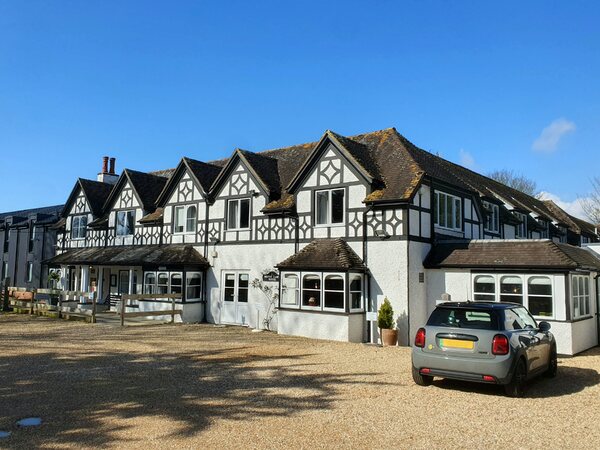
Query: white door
x=235 y=298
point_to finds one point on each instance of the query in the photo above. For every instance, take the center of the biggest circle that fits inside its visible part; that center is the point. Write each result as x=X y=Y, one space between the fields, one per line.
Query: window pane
x=485 y=285
x=230 y=280
x=356 y=300
x=539 y=286
x=290 y=286
x=485 y=297
x=322 y=207
x=337 y=206
x=243 y=295
x=511 y=285
x=232 y=214
x=457 y=213
x=243 y=280
x=149 y=283
x=334 y=283
x=437 y=208
x=311 y=290
x=442 y=210
x=356 y=283
x=244 y=213
x=334 y=299
x=179 y=219
x=194 y=285
x=176 y=283
x=540 y=306
x=130 y=215
x=449 y=214
x=191 y=220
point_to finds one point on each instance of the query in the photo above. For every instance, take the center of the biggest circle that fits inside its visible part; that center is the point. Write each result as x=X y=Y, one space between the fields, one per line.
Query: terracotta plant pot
x=389 y=337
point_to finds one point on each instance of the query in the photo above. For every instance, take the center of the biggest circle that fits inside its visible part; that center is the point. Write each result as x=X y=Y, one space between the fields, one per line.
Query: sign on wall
x=271 y=276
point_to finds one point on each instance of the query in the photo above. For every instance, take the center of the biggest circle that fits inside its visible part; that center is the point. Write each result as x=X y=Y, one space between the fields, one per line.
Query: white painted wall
x=335 y=327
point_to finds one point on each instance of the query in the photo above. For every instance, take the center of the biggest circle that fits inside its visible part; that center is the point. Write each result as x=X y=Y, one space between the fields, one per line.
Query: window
x=511 y=289
x=290 y=289
x=29 y=272
x=238 y=214
x=243 y=285
x=78 y=227
x=356 y=292
x=456 y=317
x=329 y=207
x=521 y=229
x=518 y=319
x=539 y=296
x=311 y=291
x=448 y=211
x=162 y=283
x=484 y=288
x=193 y=281
x=580 y=288
x=492 y=220
x=31 y=237
x=185 y=219
x=334 y=292
x=149 y=283
x=6 y=230
x=125 y=221
x=176 y=283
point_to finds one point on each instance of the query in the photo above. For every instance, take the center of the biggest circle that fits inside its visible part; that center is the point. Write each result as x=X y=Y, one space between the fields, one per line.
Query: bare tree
x=591 y=203
x=515 y=181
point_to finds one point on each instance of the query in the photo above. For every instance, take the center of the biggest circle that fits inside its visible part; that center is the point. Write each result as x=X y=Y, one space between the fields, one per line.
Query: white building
x=347 y=221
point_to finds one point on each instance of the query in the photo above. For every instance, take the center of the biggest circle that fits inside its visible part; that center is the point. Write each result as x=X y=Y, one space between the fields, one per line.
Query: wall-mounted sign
x=271 y=276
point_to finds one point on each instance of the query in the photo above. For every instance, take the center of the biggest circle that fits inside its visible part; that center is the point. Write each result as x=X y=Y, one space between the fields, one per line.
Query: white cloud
x=550 y=137
x=466 y=159
x=574 y=208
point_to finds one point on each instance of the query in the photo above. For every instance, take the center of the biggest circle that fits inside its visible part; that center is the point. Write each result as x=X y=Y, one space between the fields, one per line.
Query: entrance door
x=235 y=298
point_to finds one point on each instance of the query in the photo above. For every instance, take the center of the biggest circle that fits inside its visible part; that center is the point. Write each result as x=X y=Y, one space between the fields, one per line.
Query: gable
x=185 y=191
x=239 y=182
x=126 y=198
x=331 y=169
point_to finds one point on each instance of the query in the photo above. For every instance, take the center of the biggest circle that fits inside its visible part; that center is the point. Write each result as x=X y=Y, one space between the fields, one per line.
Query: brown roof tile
x=324 y=254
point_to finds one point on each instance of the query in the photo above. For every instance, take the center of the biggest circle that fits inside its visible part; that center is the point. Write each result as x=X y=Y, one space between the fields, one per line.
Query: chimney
x=108 y=174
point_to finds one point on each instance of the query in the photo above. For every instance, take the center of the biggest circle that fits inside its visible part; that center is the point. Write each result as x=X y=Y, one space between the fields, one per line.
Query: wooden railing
x=127 y=298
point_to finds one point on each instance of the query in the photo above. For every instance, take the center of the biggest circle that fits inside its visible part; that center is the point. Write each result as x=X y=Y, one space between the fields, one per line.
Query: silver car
x=484 y=342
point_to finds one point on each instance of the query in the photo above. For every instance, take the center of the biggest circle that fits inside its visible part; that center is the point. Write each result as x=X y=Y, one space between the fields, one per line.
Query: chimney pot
x=104 y=164
x=112 y=166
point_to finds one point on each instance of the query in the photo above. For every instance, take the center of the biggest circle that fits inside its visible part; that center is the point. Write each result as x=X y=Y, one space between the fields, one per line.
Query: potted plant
x=385 y=322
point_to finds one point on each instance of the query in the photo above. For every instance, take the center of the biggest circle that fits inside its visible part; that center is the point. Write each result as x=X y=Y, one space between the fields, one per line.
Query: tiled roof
x=153 y=217
x=96 y=193
x=147 y=255
x=147 y=187
x=511 y=254
x=324 y=254
x=45 y=215
x=205 y=173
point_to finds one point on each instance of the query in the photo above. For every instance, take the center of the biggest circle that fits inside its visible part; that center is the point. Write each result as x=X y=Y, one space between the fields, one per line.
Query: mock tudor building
x=338 y=225
x=27 y=238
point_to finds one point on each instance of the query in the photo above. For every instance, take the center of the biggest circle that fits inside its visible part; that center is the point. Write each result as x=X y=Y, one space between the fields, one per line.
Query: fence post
x=94 y=295
x=33 y=292
x=123 y=303
x=173 y=310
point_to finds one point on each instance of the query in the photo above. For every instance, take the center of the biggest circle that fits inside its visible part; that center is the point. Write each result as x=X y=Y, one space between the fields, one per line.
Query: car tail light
x=489 y=378
x=420 y=338
x=500 y=345
x=425 y=370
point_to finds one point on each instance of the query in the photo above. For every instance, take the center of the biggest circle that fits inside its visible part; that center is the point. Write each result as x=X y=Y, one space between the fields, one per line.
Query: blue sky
x=491 y=85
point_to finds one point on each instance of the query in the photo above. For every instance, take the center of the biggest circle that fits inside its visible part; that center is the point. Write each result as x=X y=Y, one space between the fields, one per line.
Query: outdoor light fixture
x=382 y=234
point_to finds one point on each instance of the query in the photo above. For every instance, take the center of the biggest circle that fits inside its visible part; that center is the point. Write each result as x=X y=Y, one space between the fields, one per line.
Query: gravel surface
x=201 y=386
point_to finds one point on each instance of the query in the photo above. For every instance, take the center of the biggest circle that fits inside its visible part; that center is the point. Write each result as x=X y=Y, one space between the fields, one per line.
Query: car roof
x=479 y=305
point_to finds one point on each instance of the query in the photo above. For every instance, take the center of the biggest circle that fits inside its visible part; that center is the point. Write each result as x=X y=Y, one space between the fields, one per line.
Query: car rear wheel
x=421 y=380
x=516 y=387
x=552 y=365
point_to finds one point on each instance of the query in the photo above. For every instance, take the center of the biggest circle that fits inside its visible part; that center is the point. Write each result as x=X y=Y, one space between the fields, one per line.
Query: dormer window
x=521 y=229
x=492 y=220
x=125 y=221
x=185 y=219
x=329 y=207
x=78 y=227
x=238 y=214
x=448 y=211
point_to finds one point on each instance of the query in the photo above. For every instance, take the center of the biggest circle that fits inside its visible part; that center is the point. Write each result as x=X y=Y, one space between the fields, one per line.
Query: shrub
x=385 y=317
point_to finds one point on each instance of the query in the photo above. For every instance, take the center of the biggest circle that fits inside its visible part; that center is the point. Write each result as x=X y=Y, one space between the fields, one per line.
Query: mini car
x=485 y=342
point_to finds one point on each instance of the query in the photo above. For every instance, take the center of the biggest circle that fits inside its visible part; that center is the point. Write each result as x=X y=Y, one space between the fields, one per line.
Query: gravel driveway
x=201 y=386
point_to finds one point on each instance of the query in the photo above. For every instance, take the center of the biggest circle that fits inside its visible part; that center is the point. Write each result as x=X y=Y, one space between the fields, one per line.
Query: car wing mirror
x=544 y=326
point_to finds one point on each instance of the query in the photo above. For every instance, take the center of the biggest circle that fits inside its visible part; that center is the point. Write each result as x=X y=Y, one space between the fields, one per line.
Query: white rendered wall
x=335 y=327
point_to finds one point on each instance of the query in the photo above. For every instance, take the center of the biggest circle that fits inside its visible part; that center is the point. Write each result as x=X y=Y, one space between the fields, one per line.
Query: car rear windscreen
x=464 y=318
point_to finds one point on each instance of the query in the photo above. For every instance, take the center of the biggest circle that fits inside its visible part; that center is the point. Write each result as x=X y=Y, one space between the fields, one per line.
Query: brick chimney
x=108 y=174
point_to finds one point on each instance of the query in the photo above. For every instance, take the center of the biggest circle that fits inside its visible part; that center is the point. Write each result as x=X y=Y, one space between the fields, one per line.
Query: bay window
x=311 y=291
x=448 y=211
x=333 y=292
x=125 y=221
x=238 y=214
x=78 y=227
x=290 y=290
x=193 y=282
x=322 y=291
x=329 y=207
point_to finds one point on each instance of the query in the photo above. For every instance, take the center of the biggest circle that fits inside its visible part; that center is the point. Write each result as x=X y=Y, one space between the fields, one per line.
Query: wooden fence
x=127 y=299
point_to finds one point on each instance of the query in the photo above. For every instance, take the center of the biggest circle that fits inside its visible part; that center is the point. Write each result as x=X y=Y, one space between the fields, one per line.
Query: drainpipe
x=597 y=310
x=368 y=275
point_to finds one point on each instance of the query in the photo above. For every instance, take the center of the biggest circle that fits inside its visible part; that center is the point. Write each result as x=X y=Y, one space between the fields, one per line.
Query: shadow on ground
x=76 y=392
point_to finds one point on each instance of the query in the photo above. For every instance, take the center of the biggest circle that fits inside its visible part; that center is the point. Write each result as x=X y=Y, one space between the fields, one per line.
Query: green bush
x=385 y=317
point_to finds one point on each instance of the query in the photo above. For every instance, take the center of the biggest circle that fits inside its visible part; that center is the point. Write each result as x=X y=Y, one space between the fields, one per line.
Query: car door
x=526 y=334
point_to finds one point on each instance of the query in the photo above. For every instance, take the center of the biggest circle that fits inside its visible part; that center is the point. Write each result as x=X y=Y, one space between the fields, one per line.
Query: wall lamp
x=382 y=234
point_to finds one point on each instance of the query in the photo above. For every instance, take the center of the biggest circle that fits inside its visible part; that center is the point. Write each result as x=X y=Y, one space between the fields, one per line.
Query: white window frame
x=328 y=222
x=283 y=289
x=493 y=218
x=188 y=276
x=78 y=227
x=125 y=212
x=580 y=298
x=236 y=225
x=144 y=288
x=487 y=294
x=525 y=287
x=343 y=291
x=185 y=225
x=362 y=291
x=521 y=229
x=551 y=296
x=29 y=272
x=306 y=307
x=437 y=212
